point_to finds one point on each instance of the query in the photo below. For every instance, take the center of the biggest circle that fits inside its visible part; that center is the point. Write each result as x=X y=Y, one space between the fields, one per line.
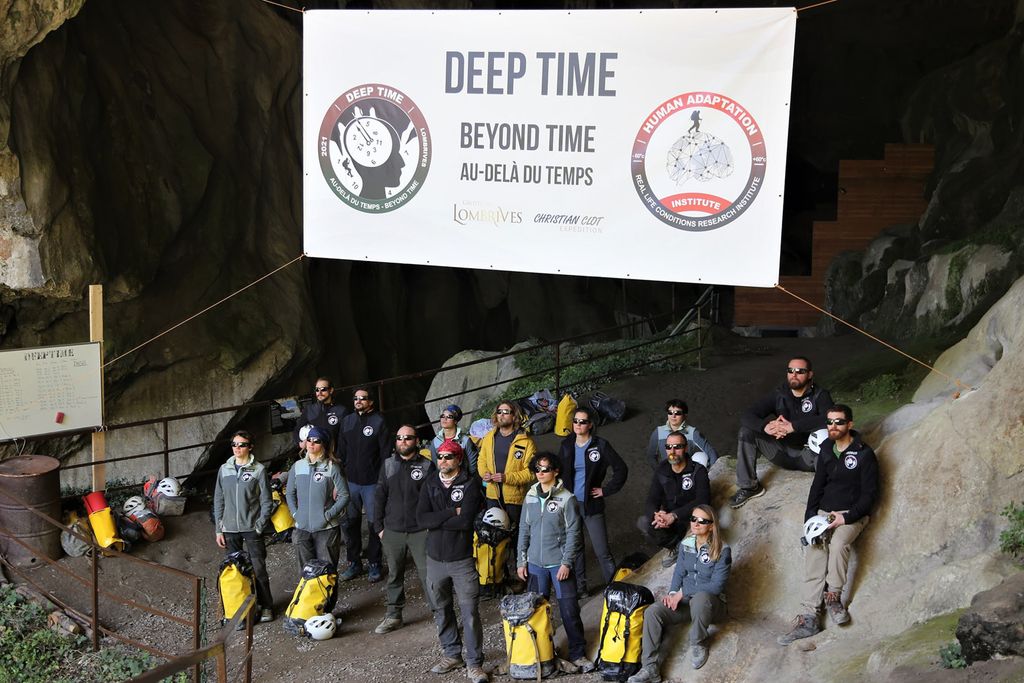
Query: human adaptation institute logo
x=699 y=161
x=374 y=148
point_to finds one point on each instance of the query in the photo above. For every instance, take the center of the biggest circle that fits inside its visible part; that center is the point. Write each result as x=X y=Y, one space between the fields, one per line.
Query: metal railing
x=96 y=592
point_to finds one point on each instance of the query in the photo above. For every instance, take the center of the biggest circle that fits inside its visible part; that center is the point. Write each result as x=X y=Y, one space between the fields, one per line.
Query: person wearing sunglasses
x=504 y=462
x=317 y=496
x=550 y=540
x=778 y=427
x=365 y=444
x=242 y=505
x=449 y=502
x=699 y=448
x=845 y=490
x=399 y=529
x=449 y=430
x=697 y=593
x=585 y=459
x=323 y=412
x=678 y=485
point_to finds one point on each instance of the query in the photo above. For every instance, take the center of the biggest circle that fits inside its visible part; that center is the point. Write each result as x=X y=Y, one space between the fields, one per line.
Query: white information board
x=629 y=144
x=50 y=389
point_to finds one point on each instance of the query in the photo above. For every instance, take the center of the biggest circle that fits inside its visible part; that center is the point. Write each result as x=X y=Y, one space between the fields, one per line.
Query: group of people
x=421 y=503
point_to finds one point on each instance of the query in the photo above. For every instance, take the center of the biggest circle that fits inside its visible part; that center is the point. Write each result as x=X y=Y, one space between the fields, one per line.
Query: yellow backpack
x=563 y=418
x=529 y=637
x=490 y=550
x=314 y=593
x=622 y=630
x=235 y=582
x=104 y=529
x=281 y=519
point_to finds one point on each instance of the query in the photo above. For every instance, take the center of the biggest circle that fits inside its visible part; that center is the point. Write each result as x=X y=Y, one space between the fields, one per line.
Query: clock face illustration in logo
x=374 y=148
x=369 y=141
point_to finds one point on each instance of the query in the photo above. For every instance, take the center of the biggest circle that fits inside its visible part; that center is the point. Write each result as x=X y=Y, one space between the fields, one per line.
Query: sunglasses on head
x=320 y=441
x=360 y=398
x=503 y=411
x=836 y=421
x=580 y=422
x=676 y=412
x=446 y=416
x=405 y=437
x=446 y=456
x=321 y=390
x=543 y=470
x=675 y=447
x=700 y=520
x=240 y=444
x=797 y=371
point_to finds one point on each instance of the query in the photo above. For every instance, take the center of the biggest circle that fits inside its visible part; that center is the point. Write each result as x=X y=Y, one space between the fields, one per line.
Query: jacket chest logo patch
x=367 y=430
x=332 y=419
x=247 y=476
x=553 y=506
x=518 y=455
x=704 y=558
x=457 y=494
x=593 y=455
x=416 y=473
x=807 y=405
x=687 y=483
x=318 y=477
x=850 y=461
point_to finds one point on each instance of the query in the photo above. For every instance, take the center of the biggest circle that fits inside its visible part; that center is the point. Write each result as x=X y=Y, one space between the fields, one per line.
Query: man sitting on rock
x=678 y=485
x=778 y=426
x=844 y=490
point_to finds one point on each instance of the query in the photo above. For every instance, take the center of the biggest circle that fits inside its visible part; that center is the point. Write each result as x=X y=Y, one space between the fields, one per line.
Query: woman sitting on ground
x=699 y=584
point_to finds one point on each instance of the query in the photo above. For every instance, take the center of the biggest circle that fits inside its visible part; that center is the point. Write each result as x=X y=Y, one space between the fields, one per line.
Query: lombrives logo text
x=481 y=213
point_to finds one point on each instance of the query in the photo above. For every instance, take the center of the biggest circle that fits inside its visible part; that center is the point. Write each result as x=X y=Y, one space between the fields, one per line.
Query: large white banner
x=625 y=144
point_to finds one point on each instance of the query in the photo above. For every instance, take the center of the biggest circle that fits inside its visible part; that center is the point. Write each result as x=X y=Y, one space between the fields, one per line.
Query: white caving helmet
x=320 y=627
x=304 y=432
x=815 y=527
x=497 y=517
x=134 y=505
x=169 y=486
x=815 y=439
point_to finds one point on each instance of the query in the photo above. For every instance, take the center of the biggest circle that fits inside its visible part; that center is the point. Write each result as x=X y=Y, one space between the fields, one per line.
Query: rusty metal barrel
x=35 y=480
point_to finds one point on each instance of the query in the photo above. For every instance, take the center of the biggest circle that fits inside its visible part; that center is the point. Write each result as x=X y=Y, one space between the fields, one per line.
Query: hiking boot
x=698 y=655
x=375 y=574
x=741 y=497
x=476 y=674
x=584 y=665
x=804 y=626
x=447 y=664
x=353 y=570
x=266 y=615
x=670 y=559
x=390 y=623
x=647 y=674
x=835 y=609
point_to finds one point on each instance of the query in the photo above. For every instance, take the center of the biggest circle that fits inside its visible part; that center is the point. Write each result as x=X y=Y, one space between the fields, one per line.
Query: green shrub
x=885 y=386
x=951 y=657
x=1011 y=540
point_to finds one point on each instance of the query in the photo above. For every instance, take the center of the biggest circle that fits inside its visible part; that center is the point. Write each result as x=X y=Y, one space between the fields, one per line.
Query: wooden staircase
x=873 y=195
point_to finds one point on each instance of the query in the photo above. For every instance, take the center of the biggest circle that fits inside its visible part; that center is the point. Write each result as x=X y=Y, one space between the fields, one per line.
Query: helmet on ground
x=134 y=505
x=817 y=438
x=169 y=486
x=320 y=627
x=498 y=518
x=815 y=527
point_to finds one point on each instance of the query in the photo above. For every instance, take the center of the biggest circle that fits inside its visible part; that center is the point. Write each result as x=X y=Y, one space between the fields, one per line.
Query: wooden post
x=99 y=439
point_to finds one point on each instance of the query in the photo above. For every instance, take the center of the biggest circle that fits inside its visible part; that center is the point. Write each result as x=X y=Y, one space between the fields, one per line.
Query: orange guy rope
x=954 y=380
x=211 y=306
x=801 y=9
x=303 y=10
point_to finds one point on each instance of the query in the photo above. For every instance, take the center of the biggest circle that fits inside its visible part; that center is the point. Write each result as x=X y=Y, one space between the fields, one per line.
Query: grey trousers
x=597 y=530
x=750 y=442
x=394 y=544
x=703 y=609
x=460 y=577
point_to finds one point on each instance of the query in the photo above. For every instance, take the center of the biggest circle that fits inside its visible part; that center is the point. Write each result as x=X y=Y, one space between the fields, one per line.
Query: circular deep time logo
x=374 y=148
x=698 y=161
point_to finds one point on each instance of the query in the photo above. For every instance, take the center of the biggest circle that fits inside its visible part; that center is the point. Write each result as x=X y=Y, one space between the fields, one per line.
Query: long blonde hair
x=714 y=538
